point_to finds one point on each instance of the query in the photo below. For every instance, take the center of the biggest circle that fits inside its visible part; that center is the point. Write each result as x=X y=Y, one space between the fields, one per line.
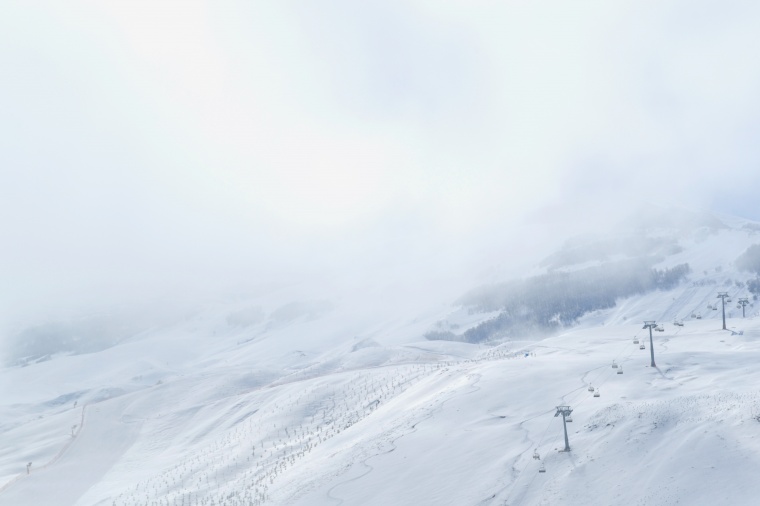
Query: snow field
x=335 y=409
x=456 y=431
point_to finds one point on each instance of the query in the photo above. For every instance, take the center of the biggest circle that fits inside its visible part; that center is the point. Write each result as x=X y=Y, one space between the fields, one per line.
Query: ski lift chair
x=536 y=455
x=642 y=347
x=542 y=468
x=590 y=388
x=597 y=394
x=620 y=370
x=614 y=365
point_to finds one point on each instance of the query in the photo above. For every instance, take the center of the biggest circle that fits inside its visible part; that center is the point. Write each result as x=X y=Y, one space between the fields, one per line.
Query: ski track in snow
x=75 y=468
x=392 y=442
x=53 y=460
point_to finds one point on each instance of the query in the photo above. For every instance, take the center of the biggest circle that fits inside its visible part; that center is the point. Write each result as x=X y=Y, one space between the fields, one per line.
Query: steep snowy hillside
x=310 y=402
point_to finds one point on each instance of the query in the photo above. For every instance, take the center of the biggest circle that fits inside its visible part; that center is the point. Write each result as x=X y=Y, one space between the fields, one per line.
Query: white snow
x=344 y=407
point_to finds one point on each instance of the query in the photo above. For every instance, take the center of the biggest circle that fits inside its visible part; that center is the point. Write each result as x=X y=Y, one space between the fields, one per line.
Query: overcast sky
x=173 y=147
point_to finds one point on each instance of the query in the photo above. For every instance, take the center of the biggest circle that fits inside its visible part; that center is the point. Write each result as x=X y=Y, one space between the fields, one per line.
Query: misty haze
x=379 y=253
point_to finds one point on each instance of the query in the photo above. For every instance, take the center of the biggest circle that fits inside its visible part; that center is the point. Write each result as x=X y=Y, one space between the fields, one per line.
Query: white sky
x=178 y=146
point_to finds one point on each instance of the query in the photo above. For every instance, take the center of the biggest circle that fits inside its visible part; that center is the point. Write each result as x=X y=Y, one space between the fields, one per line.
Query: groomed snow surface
x=428 y=423
x=335 y=405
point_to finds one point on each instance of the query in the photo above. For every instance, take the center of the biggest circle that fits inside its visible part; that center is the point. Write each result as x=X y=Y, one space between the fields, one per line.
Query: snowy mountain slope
x=347 y=406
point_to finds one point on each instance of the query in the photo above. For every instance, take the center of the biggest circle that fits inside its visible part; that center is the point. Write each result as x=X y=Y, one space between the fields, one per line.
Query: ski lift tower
x=565 y=412
x=743 y=301
x=650 y=324
x=723 y=296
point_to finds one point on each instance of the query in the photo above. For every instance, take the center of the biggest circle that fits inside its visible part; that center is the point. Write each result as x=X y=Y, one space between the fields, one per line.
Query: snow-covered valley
x=331 y=407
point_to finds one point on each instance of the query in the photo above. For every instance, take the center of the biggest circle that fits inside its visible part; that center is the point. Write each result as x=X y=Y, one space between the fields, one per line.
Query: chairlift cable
x=599 y=383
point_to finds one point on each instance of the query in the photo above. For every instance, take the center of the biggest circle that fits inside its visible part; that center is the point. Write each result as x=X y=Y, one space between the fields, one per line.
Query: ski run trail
x=340 y=408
